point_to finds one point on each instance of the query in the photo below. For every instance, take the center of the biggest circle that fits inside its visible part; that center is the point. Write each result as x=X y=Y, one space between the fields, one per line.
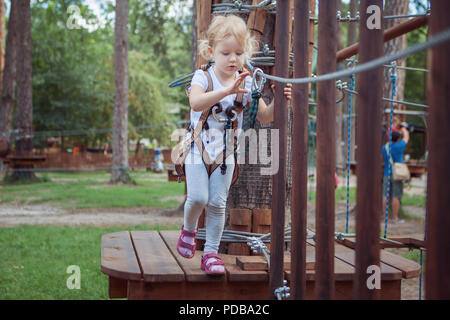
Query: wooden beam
x=280 y=123
x=389 y=34
x=368 y=194
x=438 y=225
x=300 y=150
x=326 y=152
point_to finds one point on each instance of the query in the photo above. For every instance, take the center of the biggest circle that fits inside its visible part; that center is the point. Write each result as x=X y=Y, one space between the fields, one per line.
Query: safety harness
x=230 y=123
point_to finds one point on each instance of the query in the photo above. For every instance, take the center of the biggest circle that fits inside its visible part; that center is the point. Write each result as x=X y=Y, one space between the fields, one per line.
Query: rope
x=223 y=167
x=431 y=42
x=388 y=187
x=421 y=251
x=349 y=135
x=381 y=61
x=249 y=121
x=81 y=132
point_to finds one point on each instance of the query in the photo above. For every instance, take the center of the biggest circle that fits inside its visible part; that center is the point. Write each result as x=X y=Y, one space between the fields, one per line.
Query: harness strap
x=195 y=137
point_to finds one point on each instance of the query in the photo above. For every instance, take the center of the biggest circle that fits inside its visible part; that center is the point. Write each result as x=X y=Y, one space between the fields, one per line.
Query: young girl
x=229 y=43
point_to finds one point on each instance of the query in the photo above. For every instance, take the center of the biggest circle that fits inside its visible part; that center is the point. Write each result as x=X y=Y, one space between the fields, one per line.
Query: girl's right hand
x=236 y=86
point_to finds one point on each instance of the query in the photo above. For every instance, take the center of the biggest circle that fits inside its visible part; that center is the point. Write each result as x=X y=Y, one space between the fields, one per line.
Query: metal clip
x=238 y=4
x=266 y=49
x=258 y=86
x=256 y=245
x=283 y=292
x=340 y=85
x=393 y=69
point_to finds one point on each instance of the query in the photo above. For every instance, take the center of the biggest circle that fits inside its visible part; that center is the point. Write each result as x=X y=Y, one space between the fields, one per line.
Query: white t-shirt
x=213 y=138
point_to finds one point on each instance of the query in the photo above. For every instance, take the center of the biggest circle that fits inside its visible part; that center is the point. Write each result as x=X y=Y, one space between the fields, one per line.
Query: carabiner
x=258 y=86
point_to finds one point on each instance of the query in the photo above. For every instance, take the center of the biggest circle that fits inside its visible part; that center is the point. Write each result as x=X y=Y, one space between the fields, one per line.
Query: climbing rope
x=381 y=61
x=349 y=136
x=393 y=74
x=223 y=167
x=311 y=130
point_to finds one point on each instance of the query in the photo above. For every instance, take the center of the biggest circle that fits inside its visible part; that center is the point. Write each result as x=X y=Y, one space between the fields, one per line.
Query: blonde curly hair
x=222 y=27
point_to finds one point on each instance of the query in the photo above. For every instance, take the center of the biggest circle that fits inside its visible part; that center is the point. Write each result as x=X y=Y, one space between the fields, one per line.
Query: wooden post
x=204 y=18
x=261 y=221
x=368 y=195
x=257 y=20
x=312 y=32
x=280 y=123
x=203 y=21
x=438 y=226
x=300 y=151
x=240 y=220
x=326 y=152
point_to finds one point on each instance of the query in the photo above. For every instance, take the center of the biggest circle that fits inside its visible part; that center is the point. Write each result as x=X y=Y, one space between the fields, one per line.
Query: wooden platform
x=146 y=265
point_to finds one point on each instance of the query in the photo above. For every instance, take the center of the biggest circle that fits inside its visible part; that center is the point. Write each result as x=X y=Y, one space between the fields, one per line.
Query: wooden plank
x=251 y=263
x=261 y=221
x=236 y=274
x=415 y=243
x=241 y=217
x=342 y=272
x=140 y=290
x=117 y=288
x=409 y=268
x=118 y=258
x=157 y=262
x=240 y=220
x=348 y=255
x=190 y=267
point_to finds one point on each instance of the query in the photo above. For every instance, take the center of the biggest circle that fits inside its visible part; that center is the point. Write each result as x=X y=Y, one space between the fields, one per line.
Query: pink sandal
x=182 y=244
x=207 y=267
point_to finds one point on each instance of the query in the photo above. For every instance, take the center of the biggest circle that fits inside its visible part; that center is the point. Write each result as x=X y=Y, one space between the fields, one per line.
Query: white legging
x=211 y=193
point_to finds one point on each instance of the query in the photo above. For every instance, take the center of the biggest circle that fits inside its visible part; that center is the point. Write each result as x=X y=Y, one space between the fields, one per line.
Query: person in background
x=399 y=141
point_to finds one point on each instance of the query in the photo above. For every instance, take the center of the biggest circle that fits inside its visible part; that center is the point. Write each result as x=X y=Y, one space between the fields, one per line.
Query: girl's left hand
x=287 y=90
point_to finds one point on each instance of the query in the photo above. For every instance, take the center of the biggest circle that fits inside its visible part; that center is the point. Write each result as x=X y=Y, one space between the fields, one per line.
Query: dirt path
x=14 y=215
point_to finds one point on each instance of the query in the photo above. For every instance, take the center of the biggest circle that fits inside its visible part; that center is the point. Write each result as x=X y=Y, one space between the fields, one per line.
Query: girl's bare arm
x=201 y=100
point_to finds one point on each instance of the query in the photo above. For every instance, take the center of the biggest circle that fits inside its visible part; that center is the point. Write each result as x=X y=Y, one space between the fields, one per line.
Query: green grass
x=416 y=200
x=86 y=191
x=340 y=194
x=34 y=261
x=411 y=254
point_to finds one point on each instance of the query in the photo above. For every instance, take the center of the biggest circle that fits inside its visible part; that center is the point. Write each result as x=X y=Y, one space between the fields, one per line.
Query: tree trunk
x=395 y=7
x=194 y=36
x=24 y=140
x=120 y=135
x=9 y=76
x=2 y=39
x=253 y=190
